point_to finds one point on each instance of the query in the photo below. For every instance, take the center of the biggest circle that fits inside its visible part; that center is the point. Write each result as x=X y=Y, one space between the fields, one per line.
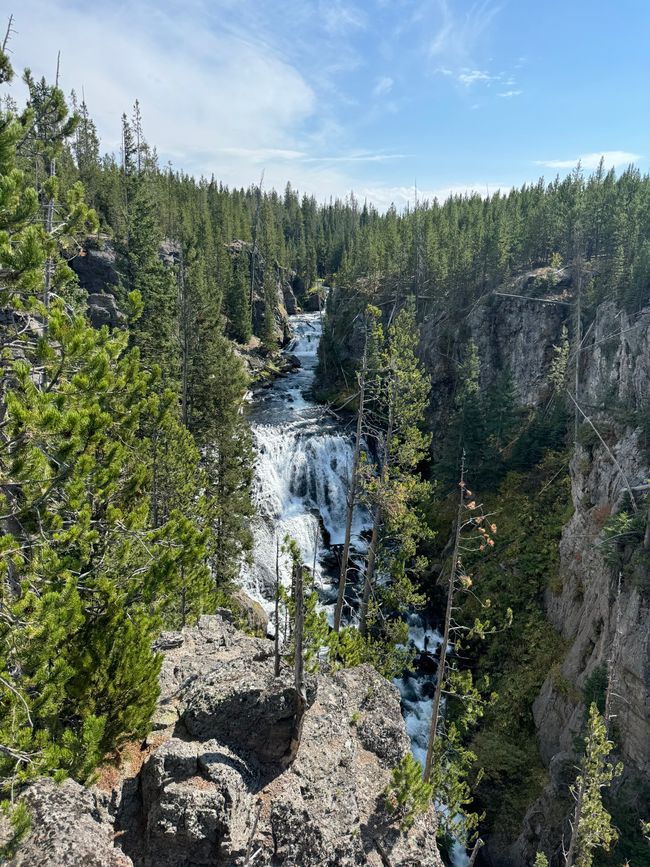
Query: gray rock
x=67 y=829
x=217 y=785
x=290 y=300
x=252 y=611
x=245 y=706
x=95 y=266
x=197 y=804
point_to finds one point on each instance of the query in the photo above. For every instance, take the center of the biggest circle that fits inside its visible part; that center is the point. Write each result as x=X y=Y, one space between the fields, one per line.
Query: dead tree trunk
x=276 y=642
x=377 y=522
x=299 y=663
x=444 y=645
x=352 y=494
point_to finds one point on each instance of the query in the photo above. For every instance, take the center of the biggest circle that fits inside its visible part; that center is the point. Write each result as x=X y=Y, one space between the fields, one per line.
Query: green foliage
x=20 y=822
x=388 y=652
x=94 y=470
x=453 y=771
x=623 y=535
x=398 y=389
x=483 y=424
x=156 y=330
x=593 y=828
x=316 y=632
x=541 y=860
x=627 y=805
x=407 y=795
x=531 y=509
x=560 y=364
x=237 y=303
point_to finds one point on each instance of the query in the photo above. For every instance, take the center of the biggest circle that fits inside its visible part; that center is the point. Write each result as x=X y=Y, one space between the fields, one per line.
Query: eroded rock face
x=615 y=372
x=103 y=310
x=510 y=333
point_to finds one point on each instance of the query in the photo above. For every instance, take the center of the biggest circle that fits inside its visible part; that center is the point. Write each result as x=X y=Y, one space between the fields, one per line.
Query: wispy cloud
x=508 y=94
x=459 y=43
x=362 y=157
x=383 y=86
x=401 y=196
x=472 y=76
x=338 y=16
x=612 y=159
x=458 y=34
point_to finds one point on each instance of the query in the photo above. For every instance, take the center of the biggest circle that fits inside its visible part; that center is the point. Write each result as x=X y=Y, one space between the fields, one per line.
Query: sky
x=379 y=97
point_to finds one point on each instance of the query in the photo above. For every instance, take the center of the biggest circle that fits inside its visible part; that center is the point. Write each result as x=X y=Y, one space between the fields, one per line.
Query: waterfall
x=302 y=470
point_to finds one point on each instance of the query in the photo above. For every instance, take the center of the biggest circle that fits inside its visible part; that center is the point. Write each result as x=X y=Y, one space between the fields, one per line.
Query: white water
x=302 y=471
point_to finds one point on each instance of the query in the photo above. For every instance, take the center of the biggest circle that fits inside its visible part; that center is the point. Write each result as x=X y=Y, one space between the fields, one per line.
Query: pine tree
x=237 y=304
x=47 y=125
x=407 y=794
x=591 y=827
x=85 y=578
x=398 y=397
x=143 y=272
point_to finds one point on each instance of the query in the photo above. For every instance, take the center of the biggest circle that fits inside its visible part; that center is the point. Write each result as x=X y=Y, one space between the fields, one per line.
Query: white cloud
x=383 y=86
x=201 y=99
x=508 y=94
x=356 y=157
x=472 y=76
x=401 y=196
x=612 y=159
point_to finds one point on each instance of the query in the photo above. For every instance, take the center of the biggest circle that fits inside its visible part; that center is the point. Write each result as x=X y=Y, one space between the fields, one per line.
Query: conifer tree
x=85 y=577
x=397 y=402
x=237 y=304
x=156 y=331
x=591 y=826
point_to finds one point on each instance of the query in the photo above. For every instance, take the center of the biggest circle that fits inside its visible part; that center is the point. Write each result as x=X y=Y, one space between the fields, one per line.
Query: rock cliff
x=519 y=334
x=221 y=779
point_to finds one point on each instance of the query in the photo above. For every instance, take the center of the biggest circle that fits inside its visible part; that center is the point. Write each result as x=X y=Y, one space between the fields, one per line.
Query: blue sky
x=371 y=96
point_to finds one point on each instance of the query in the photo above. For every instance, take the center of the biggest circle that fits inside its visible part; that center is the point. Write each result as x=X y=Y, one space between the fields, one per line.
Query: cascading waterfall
x=304 y=459
x=302 y=470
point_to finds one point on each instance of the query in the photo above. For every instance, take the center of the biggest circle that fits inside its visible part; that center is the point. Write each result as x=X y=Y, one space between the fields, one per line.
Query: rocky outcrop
x=222 y=782
x=240 y=252
x=252 y=612
x=585 y=608
x=511 y=333
x=519 y=334
x=103 y=310
x=67 y=828
x=95 y=266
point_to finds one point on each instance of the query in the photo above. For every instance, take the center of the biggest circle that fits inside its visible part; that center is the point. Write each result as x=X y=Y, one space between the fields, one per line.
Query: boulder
x=95 y=266
x=103 y=310
x=67 y=828
x=252 y=611
x=245 y=706
x=197 y=804
x=290 y=300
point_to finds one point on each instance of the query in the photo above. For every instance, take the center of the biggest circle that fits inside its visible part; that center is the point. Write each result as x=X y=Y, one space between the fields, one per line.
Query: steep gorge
x=518 y=329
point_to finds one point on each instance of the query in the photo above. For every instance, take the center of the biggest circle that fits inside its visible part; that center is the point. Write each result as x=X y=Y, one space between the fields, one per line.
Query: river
x=302 y=470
